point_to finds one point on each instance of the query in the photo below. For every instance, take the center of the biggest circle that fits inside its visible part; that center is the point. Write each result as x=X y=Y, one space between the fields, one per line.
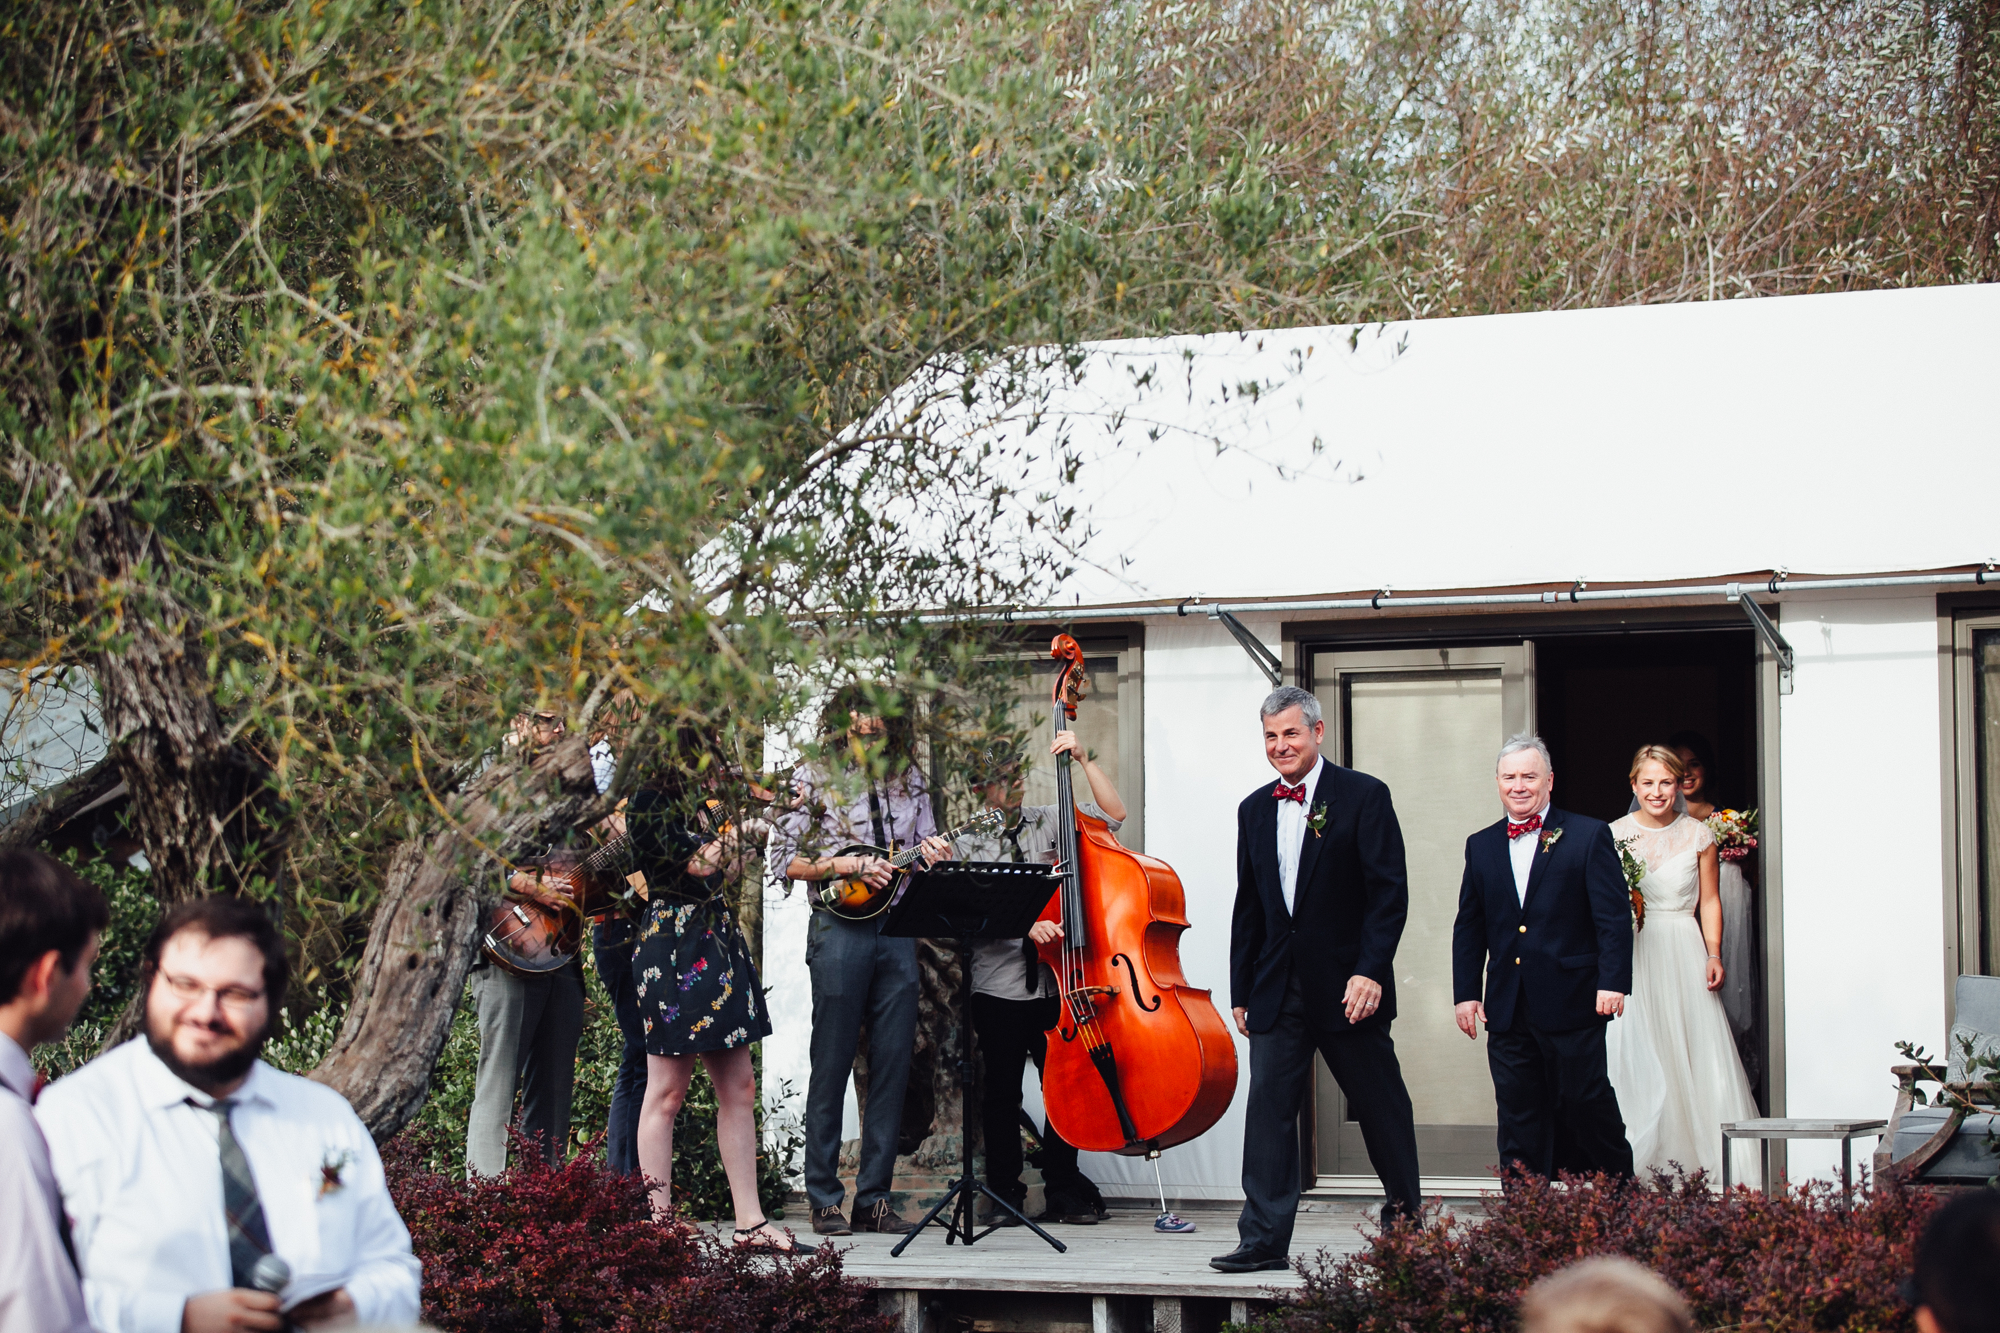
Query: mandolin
x=540 y=928
x=858 y=900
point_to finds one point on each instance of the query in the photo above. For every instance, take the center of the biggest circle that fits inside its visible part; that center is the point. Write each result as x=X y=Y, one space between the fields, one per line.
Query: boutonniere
x=332 y=1167
x=1317 y=819
x=1551 y=838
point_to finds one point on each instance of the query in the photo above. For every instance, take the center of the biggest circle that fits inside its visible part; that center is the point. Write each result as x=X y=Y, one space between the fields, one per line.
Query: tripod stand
x=963 y=900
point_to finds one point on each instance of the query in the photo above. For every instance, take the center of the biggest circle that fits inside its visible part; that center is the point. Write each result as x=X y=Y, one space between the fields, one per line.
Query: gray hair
x=1525 y=740
x=1290 y=696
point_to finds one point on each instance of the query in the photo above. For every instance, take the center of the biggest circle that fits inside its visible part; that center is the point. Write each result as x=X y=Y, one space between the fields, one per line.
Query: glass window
x=1096 y=725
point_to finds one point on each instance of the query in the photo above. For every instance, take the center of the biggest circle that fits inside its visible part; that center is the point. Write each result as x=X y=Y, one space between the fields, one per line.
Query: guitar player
x=868 y=789
x=528 y=1030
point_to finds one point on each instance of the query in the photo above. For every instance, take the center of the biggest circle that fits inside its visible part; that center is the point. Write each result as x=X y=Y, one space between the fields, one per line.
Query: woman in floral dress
x=698 y=995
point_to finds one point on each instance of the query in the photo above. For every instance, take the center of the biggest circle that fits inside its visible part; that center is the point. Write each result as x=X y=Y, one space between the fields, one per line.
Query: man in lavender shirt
x=50 y=921
x=868 y=789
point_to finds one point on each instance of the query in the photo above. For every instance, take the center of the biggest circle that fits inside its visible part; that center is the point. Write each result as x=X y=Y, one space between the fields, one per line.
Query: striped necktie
x=248 y=1240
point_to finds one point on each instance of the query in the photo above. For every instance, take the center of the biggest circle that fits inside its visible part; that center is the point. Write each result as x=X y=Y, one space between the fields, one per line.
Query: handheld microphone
x=270 y=1273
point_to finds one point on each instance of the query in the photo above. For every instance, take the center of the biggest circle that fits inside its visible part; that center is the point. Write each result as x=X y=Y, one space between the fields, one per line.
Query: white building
x=1455 y=529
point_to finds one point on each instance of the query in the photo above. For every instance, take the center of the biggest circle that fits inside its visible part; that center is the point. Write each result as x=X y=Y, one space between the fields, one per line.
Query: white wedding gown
x=1672 y=1056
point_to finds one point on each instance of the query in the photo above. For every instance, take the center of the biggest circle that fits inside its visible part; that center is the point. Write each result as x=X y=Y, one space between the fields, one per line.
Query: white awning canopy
x=1837 y=434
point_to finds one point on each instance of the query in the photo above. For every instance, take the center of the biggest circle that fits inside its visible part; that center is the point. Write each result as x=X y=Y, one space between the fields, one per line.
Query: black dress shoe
x=1244 y=1259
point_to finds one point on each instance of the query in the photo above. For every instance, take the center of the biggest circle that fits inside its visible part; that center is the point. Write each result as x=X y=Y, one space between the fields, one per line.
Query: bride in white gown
x=1672 y=1056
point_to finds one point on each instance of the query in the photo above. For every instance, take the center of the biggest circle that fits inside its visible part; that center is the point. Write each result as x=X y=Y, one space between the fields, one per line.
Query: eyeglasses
x=236 y=999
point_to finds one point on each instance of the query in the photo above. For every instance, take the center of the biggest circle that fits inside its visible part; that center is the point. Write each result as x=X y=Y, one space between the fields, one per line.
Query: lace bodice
x=1672 y=856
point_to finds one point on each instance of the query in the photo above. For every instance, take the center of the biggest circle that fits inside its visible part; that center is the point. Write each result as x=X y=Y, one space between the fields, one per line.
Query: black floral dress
x=697 y=987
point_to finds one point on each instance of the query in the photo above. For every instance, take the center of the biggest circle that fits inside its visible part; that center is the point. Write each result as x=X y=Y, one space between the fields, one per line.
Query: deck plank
x=1121 y=1257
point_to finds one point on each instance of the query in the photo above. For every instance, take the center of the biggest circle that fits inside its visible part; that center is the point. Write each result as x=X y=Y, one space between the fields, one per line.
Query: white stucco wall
x=1864 y=924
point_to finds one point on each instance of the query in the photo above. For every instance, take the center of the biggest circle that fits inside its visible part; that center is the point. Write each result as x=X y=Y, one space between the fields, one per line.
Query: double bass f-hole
x=1137 y=998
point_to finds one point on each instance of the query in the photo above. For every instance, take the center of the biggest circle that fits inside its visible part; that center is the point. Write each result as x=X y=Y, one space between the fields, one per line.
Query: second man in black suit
x=1542 y=954
x=1321 y=895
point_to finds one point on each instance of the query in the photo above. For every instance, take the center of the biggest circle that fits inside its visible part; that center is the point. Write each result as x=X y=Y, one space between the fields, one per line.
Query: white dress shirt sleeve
x=115 y=1302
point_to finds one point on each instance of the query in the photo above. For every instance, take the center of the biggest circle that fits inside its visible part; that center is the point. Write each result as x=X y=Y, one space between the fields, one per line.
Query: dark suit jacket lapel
x=1309 y=848
x=1264 y=848
x=1501 y=867
x=1539 y=867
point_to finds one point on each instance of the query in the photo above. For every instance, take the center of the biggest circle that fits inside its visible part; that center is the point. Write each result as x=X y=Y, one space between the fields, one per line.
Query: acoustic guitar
x=858 y=900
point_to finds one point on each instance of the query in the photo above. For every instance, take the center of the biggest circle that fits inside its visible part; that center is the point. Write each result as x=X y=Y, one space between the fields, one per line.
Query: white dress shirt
x=142 y=1180
x=1521 y=851
x=1292 y=830
x=38 y=1290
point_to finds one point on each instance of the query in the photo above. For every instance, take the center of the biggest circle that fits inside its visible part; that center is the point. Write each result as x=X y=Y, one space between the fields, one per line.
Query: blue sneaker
x=1173 y=1223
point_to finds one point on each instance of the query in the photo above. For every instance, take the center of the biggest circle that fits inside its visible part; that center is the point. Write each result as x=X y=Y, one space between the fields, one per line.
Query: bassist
x=1014 y=994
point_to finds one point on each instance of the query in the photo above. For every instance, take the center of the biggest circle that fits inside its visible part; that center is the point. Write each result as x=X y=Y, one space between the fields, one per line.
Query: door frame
x=1515 y=661
x=1341 y=631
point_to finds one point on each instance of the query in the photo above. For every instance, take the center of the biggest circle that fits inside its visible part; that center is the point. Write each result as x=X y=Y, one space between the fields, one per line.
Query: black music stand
x=963 y=901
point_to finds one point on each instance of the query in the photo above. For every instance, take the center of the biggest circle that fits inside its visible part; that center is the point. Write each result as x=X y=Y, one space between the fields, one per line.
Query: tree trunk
x=427 y=927
x=199 y=803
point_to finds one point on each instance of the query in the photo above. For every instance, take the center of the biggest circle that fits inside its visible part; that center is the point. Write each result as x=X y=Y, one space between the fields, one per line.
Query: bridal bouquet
x=1635 y=874
x=1735 y=833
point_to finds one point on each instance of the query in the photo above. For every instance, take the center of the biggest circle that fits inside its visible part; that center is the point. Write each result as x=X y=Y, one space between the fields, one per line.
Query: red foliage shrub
x=1783 y=1265
x=544 y=1248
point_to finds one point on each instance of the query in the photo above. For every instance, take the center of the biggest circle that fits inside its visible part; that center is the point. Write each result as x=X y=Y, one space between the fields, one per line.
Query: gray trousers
x=858 y=976
x=528 y=1030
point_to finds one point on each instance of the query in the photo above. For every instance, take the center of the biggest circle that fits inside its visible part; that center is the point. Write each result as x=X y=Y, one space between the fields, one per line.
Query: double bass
x=1139 y=1060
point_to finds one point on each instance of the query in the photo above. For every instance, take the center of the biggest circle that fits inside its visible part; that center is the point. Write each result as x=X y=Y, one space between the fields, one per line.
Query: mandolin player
x=866 y=788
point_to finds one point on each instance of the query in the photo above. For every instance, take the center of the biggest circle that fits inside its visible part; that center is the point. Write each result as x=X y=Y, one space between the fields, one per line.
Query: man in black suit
x=1320 y=899
x=1543 y=913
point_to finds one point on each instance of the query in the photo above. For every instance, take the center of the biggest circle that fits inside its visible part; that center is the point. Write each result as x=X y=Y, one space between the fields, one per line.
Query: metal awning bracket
x=1266 y=661
x=1768 y=630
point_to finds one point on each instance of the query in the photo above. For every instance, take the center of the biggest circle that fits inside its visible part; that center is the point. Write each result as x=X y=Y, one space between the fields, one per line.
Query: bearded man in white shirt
x=185 y=1162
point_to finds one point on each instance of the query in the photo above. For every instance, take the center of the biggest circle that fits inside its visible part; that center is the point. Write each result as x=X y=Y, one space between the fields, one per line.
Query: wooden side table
x=1847 y=1131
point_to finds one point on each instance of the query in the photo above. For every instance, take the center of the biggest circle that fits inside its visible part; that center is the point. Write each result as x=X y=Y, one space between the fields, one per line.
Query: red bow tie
x=1284 y=793
x=1528 y=825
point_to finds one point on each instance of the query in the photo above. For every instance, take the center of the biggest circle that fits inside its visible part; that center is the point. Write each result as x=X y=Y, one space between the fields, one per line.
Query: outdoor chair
x=1951 y=1140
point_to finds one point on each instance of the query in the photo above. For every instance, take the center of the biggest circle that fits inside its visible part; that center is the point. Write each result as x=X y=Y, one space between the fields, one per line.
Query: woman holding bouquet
x=1673 y=1059
x=1733 y=886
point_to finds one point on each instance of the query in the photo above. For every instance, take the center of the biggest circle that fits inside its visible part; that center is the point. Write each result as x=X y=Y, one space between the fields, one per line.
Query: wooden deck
x=1119 y=1276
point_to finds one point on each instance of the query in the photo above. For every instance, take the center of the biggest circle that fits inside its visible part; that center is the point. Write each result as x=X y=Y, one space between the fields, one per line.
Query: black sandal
x=792 y=1245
